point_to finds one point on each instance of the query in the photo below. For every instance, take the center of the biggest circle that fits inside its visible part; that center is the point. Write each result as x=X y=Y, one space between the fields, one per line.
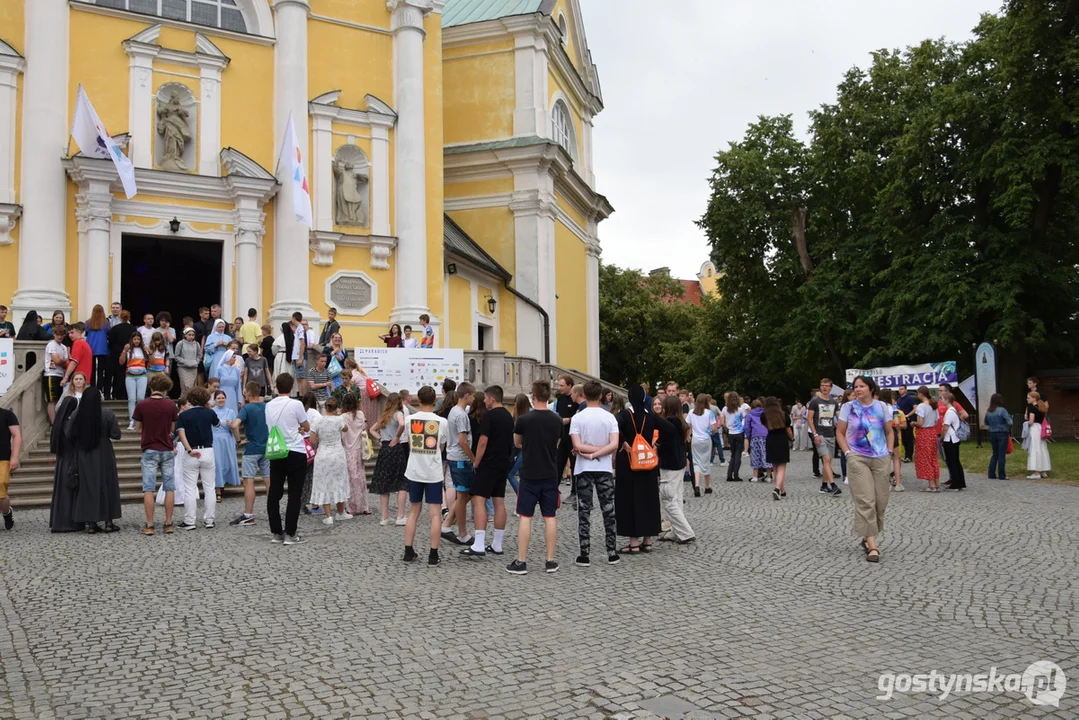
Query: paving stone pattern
x=773 y=613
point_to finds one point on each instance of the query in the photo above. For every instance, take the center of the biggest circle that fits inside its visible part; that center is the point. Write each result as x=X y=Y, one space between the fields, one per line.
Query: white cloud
x=681 y=82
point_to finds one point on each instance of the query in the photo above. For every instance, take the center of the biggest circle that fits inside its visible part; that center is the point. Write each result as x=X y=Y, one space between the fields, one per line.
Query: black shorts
x=545 y=493
x=489 y=482
x=52 y=388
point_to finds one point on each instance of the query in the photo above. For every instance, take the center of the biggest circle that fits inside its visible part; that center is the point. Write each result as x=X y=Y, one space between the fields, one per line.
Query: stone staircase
x=31 y=484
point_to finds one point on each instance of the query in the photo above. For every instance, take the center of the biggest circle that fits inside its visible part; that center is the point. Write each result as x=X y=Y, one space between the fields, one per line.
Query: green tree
x=641 y=321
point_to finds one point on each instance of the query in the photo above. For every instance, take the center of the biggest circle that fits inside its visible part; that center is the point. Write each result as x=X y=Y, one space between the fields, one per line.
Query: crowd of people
x=631 y=455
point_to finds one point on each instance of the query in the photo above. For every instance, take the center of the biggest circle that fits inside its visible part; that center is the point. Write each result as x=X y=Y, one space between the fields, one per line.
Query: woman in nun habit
x=91 y=429
x=215 y=347
x=636 y=494
x=65 y=478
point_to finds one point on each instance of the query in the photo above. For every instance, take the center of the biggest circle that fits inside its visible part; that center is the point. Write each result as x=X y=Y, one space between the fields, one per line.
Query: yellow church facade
x=447 y=144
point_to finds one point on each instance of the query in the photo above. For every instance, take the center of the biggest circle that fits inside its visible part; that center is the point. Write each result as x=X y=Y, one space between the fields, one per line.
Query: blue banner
x=913 y=376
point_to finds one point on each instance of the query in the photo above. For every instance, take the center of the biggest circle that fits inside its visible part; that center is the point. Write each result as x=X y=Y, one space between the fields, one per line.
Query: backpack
x=276 y=446
x=963 y=431
x=642 y=454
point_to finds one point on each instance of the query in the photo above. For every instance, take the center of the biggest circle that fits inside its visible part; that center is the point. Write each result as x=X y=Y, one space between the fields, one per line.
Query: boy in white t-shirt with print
x=427 y=435
x=55 y=362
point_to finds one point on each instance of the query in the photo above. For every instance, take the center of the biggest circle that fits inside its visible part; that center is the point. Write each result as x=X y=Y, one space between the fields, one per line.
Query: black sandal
x=869 y=555
x=646 y=547
x=93 y=529
x=111 y=528
x=629 y=549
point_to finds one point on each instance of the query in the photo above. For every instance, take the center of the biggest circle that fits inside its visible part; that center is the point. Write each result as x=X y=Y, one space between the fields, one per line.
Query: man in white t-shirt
x=408 y=341
x=594 y=433
x=427 y=435
x=289 y=416
x=55 y=362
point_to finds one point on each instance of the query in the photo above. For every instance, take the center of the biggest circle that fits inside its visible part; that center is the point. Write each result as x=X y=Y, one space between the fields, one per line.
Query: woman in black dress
x=777 y=447
x=65 y=480
x=91 y=429
x=636 y=494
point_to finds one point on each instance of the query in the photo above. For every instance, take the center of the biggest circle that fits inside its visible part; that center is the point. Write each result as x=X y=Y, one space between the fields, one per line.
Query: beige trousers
x=869 y=488
x=670 y=497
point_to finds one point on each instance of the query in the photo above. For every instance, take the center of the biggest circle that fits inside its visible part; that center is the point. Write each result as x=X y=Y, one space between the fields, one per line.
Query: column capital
x=303 y=5
x=409 y=14
x=9 y=215
x=94 y=210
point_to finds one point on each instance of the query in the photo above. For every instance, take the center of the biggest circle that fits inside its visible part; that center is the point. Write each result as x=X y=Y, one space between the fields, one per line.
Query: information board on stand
x=410 y=369
x=7 y=364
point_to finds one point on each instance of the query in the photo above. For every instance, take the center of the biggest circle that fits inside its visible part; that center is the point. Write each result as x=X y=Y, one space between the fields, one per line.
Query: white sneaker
x=1033 y=476
x=387 y=521
x=327 y=521
x=845 y=482
x=294 y=540
x=131 y=426
x=343 y=516
x=400 y=521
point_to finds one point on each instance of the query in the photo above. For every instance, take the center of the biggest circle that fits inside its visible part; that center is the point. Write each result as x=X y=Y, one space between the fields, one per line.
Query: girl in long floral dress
x=353 y=439
x=926 y=464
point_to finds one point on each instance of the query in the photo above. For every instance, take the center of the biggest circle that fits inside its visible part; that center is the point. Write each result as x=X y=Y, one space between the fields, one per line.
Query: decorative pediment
x=10 y=59
x=145 y=42
x=376 y=114
x=236 y=163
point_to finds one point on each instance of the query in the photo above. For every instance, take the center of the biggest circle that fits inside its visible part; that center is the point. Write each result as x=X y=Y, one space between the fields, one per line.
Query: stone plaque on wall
x=352 y=293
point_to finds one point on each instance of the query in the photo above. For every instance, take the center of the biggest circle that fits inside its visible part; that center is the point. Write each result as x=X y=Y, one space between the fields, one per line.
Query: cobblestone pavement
x=772 y=613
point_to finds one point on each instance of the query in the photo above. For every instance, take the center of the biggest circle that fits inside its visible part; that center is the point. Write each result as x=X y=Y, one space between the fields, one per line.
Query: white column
x=411 y=160
x=249 y=232
x=291 y=263
x=140 y=103
x=592 y=305
x=43 y=191
x=94 y=213
x=586 y=151
x=533 y=229
x=210 y=119
x=322 y=169
x=380 y=180
x=11 y=64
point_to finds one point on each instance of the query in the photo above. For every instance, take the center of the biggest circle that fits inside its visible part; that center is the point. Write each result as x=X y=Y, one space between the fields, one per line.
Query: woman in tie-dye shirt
x=864 y=433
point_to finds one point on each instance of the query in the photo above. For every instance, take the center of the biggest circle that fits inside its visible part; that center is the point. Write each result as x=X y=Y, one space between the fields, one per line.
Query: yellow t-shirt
x=250 y=332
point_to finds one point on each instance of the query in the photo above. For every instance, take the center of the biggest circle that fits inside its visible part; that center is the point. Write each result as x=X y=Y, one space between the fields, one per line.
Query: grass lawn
x=1064 y=456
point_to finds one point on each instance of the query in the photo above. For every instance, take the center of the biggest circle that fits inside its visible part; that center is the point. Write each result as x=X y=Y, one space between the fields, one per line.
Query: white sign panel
x=7 y=364
x=410 y=369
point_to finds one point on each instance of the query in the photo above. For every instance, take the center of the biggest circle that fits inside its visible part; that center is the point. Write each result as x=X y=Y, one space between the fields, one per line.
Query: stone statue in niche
x=351 y=182
x=175 y=132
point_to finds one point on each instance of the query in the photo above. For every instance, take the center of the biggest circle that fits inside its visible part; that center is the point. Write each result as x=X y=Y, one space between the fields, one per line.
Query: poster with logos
x=930 y=374
x=410 y=369
x=7 y=364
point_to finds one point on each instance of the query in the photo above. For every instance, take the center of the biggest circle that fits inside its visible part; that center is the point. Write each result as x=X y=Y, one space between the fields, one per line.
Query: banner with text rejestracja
x=930 y=374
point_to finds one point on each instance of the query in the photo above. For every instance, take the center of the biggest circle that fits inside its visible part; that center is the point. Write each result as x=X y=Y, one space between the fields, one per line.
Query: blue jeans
x=515 y=473
x=999 y=442
x=136 y=390
x=717 y=447
x=154 y=460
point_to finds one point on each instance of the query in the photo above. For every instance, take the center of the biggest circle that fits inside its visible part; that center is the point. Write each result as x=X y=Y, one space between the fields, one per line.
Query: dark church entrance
x=169 y=273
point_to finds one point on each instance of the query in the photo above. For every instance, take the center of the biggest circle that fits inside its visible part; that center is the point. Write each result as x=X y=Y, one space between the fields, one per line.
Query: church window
x=562 y=128
x=222 y=14
x=562 y=28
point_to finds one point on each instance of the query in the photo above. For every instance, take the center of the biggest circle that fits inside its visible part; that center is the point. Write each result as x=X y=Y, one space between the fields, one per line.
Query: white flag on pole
x=301 y=191
x=94 y=141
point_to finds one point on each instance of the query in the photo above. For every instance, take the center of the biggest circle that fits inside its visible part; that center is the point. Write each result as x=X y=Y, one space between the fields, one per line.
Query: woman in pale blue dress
x=228 y=472
x=229 y=373
x=215 y=347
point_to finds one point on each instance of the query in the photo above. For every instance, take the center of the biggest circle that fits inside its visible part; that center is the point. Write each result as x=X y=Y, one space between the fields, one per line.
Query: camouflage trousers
x=604 y=485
